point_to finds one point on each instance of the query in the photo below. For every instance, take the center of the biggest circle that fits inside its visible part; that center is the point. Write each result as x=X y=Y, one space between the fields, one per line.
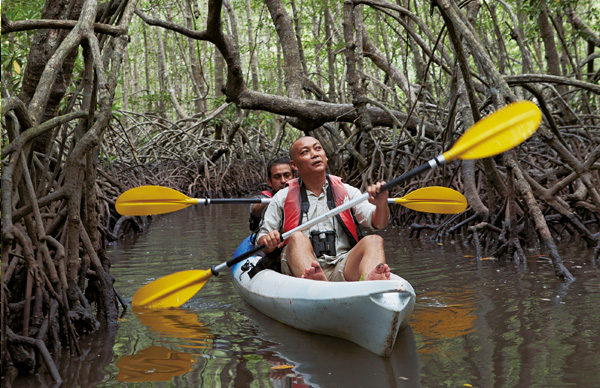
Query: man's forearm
x=257 y=209
x=381 y=217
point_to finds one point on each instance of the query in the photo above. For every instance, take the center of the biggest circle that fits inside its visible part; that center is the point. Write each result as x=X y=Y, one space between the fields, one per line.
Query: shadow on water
x=480 y=323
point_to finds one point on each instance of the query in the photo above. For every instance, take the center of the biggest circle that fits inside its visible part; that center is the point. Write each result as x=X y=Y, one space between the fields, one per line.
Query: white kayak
x=368 y=313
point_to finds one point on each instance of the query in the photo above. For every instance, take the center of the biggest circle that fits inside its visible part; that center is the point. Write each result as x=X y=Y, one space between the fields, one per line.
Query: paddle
x=147 y=200
x=496 y=133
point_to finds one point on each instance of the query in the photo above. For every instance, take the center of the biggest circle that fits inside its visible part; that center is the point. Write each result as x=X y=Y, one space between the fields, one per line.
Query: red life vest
x=292 y=211
x=254 y=222
x=268 y=193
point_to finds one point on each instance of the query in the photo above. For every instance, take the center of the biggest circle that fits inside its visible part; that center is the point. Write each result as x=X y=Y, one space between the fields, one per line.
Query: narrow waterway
x=476 y=323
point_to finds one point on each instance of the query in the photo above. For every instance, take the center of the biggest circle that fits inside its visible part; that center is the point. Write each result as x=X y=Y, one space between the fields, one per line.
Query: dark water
x=480 y=324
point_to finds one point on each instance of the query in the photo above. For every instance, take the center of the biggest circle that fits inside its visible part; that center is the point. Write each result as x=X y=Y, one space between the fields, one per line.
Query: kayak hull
x=368 y=313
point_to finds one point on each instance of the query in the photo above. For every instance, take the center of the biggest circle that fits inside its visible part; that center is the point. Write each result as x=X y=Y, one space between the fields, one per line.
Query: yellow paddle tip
x=171 y=290
x=498 y=132
x=435 y=199
x=149 y=200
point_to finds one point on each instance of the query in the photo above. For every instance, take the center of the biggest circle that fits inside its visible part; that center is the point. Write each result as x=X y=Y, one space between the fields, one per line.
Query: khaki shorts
x=333 y=272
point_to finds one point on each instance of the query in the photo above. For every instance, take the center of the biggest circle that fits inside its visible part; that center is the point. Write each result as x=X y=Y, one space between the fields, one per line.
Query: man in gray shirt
x=331 y=250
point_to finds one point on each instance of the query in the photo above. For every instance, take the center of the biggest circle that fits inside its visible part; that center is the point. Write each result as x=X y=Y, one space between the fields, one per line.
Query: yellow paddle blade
x=146 y=200
x=498 y=132
x=171 y=290
x=435 y=199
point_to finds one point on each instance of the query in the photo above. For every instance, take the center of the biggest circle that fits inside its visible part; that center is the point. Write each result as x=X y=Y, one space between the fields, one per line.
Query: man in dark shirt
x=278 y=173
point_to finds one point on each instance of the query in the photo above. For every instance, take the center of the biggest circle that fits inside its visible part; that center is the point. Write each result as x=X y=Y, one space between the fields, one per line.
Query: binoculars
x=323 y=242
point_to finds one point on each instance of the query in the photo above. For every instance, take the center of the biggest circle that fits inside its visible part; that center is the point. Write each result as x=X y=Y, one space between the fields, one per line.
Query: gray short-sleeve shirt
x=363 y=212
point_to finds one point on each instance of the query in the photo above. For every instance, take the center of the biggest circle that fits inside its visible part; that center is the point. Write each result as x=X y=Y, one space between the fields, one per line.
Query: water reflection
x=333 y=362
x=179 y=324
x=487 y=323
x=155 y=363
x=440 y=316
x=282 y=375
x=158 y=363
x=88 y=370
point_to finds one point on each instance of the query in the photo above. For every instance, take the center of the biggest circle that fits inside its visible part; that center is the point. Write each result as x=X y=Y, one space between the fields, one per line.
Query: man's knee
x=372 y=240
x=298 y=238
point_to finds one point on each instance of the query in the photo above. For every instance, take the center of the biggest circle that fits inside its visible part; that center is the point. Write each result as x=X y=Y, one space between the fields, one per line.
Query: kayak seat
x=270 y=261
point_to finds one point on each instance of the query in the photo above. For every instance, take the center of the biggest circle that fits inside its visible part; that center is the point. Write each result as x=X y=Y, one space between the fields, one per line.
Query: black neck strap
x=305 y=205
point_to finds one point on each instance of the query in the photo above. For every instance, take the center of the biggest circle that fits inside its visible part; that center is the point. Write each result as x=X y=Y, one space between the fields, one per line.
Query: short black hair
x=274 y=162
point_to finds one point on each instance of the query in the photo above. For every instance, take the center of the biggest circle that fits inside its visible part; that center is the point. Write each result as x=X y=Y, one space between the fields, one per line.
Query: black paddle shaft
x=231 y=262
x=433 y=163
x=209 y=201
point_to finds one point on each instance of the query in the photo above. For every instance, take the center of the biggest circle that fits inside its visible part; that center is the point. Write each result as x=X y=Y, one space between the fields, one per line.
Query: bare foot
x=381 y=272
x=315 y=272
